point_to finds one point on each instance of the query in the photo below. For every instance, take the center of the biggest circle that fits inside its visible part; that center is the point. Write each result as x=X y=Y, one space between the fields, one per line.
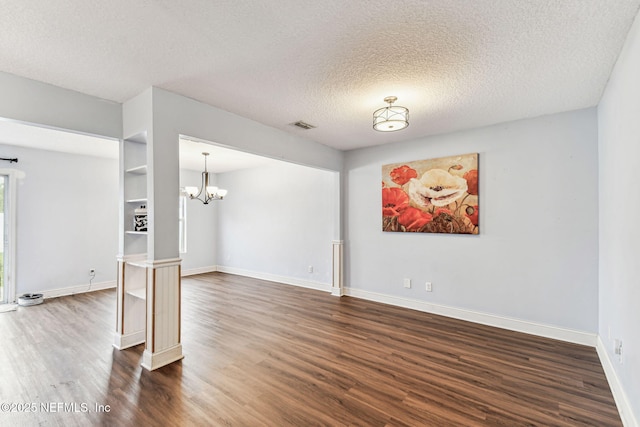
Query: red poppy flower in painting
x=472 y=181
x=394 y=201
x=472 y=214
x=401 y=175
x=413 y=219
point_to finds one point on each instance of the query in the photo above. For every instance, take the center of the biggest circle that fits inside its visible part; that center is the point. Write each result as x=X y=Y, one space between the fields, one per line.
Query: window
x=182 y=223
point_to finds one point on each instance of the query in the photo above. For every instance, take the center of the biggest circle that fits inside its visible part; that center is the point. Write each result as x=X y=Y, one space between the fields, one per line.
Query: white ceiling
x=454 y=64
x=220 y=159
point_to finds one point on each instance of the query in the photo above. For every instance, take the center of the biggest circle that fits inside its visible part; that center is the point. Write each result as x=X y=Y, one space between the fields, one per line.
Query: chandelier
x=208 y=192
x=391 y=118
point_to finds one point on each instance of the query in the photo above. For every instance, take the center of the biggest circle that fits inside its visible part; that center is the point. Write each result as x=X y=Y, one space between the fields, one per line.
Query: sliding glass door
x=3 y=243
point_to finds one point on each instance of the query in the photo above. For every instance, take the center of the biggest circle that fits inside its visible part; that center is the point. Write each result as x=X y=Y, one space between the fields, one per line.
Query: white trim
x=132 y=258
x=199 y=270
x=337 y=292
x=151 y=361
x=162 y=263
x=10 y=217
x=128 y=340
x=182 y=223
x=518 y=325
x=80 y=289
x=622 y=402
x=337 y=269
x=141 y=260
x=326 y=287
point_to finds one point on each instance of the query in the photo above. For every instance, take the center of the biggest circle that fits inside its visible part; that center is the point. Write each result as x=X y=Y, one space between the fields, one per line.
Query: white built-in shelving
x=132 y=288
x=138 y=170
x=140 y=293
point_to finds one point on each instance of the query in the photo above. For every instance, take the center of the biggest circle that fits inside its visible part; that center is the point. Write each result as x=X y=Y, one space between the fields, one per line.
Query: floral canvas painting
x=431 y=196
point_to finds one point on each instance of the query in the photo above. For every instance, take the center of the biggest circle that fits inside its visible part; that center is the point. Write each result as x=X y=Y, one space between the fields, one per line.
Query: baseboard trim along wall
x=80 y=289
x=199 y=270
x=548 y=331
x=276 y=278
x=72 y=290
x=624 y=407
x=518 y=325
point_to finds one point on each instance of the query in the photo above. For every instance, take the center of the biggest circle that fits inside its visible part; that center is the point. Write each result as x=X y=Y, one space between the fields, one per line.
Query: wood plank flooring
x=259 y=353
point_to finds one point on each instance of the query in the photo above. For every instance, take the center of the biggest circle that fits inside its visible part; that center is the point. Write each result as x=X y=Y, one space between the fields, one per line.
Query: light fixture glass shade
x=191 y=191
x=391 y=118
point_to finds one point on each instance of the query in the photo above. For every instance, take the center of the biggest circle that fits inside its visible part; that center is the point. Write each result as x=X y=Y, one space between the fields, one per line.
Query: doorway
x=7 y=225
x=3 y=245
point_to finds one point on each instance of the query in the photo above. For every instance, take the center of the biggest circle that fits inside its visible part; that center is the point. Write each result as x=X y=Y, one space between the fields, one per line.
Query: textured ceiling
x=454 y=64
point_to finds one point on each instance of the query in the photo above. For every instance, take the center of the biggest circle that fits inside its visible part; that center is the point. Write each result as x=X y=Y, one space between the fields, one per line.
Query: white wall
x=193 y=118
x=67 y=219
x=278 y=220
x=536 y=256
x=619 y=148
x=201 y=229
x=44 y=104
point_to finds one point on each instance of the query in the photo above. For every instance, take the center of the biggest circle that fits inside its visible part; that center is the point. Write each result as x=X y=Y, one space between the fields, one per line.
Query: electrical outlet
x=310 y=269
x=92 y=272
x=617 y=349
x=407 y=283
x=428 y=287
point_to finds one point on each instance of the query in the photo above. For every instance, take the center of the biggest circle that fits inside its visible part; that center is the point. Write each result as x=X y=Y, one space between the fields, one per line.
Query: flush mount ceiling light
x=391 y=118
x=210 y=192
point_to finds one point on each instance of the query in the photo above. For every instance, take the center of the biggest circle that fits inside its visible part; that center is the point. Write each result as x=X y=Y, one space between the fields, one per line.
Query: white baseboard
x=129 y=340
x=199 y=270
x=72 y=290
x=276 y=278
x=80 y=289
x=624 y=407
x=518 y=325
x=151 y=361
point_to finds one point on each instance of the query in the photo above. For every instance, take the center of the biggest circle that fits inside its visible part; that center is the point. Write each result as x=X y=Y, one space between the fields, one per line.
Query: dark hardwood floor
x=264 y=354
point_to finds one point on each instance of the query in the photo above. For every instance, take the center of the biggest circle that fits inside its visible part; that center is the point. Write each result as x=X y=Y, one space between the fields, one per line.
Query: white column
x=338 y=272
x=162 y=344
x=149 y=289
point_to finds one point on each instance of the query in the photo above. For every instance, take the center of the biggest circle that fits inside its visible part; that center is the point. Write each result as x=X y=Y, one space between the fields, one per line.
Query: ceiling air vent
x=303 y=125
